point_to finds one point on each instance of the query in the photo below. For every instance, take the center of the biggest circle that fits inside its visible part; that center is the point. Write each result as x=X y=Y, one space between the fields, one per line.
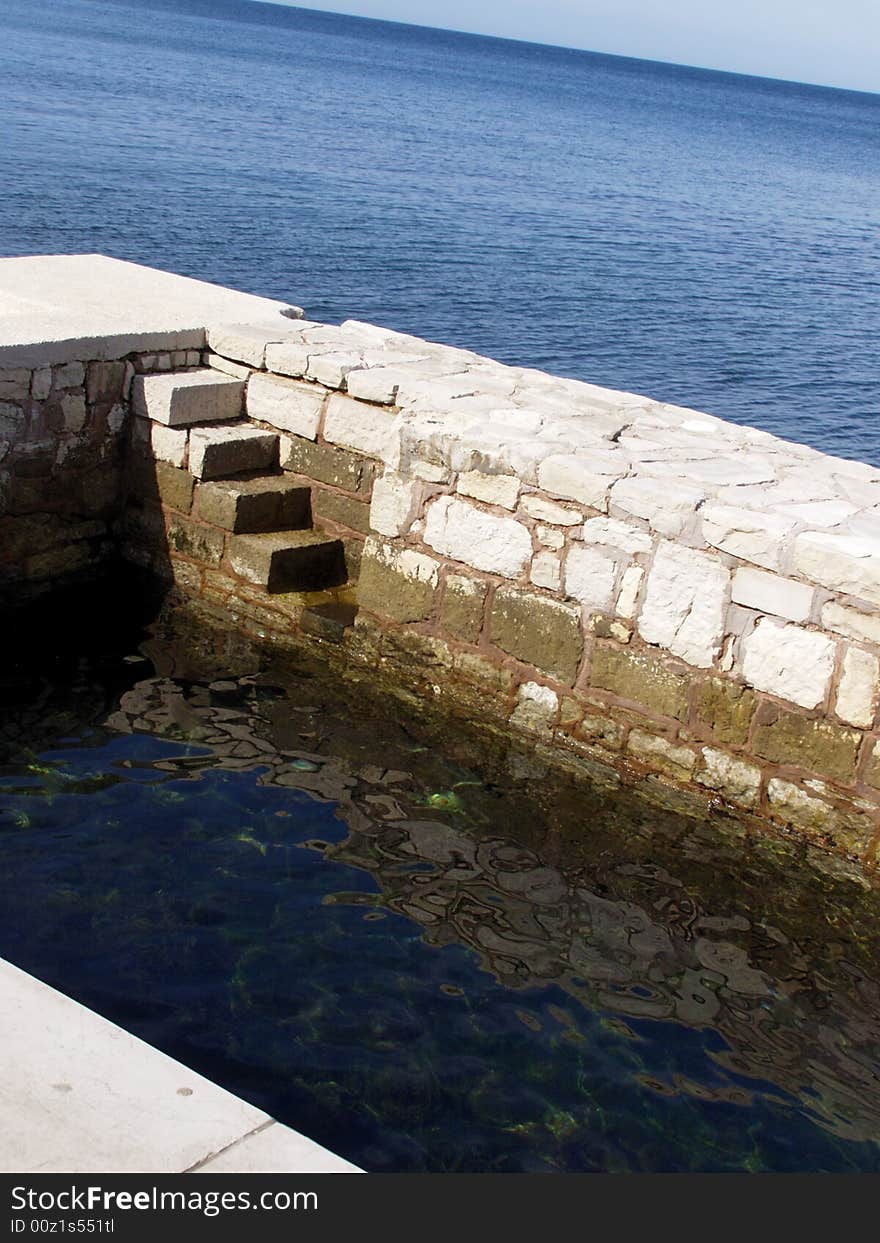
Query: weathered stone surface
x=627 y=596
x=546 y=571
x=736 y=779
x=268 y=503
x=105 y=382
x=789 y=662
x=327 y=464
x=590 y=577
x=70 y=375
x=669 y=505
x=394 y=504
x=540 y=508
x=819 y=821
x=73 y=408
x=872 y=768
x=168 y=485
x=600 y=731
x=642 y=678
x=474 y=668
x=288 y=560
x=536 y=708
x=461 y=613
x=660 y=753
x=769 y=593
x=684 y=603
x=183 y=398
x=818 y=746
x=727 y=708
x=167 y=444
x=194 y=540
x=857 y=693
x=286 y=404
x=492 y=489
x=611 y=533
x=847 y=563
x=853 y=623
x=484 y=541
x=397 y=583
x=290 y=358
x=219 y=452
x=538 y=631
x=754 y=536
x=336 y=507
x=15 y=384
x=41 y=385
x=245 y=343
x=365 y=429
x=584 y=477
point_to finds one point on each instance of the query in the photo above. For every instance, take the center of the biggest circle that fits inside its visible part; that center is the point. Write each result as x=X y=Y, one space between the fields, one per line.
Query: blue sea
x=704 y=238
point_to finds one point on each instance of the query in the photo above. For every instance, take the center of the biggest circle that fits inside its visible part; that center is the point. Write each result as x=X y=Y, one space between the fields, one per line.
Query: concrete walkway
x=80 y=1095
x=58 y=308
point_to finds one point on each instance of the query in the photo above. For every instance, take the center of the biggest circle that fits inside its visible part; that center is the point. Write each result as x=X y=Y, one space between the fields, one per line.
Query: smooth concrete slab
x=80 y=1095
x=57 y=308
x=276 y=1150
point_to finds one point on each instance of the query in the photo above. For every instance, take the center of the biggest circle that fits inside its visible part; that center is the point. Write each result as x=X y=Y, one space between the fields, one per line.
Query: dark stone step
x=251 y=506
x=288 y=560
x=328 y=621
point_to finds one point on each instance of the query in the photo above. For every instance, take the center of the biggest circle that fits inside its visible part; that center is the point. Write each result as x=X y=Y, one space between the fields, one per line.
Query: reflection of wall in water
x=638 y=942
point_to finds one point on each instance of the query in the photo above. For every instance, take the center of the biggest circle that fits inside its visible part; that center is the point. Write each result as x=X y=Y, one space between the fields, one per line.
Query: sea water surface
x=704 y=238
x=434 y=954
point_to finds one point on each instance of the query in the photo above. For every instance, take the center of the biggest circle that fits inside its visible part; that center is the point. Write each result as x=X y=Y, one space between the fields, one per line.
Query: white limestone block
x=332 y=368
x=787 y=661
x=181 y=398
x=393 y=505
x=289 y=405
x=431 y=472
x=852 y=623
x=847 y=563
x=584 y=477
x=732 y=777
x=770 y=593
x=542 y=510
x=857 y=692
x=244 y=343
x=237 y=370
x=493 y=489
x=536 y=707
x=168 y=444
x=366 y=429
x=405 y=561
x=289 y=357
x=590 y=577
x=611 y=533
x=379 y=384
x=629 y=591
x=684 y=604
x=550 y=537
x=669 y=505
x=484 y=541
x=754 y=536
x=546 y=571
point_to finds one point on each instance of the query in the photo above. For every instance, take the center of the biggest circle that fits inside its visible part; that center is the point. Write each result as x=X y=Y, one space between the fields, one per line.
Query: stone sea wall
x=693 y=602
x=660 y=595
x=63 y=438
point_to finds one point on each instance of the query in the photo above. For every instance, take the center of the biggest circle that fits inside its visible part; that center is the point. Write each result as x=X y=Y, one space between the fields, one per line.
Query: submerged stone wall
x=690 y=601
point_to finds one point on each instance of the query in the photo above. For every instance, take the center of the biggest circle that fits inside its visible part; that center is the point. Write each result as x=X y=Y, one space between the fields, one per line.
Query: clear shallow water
x=704 y=238
x=422 y=964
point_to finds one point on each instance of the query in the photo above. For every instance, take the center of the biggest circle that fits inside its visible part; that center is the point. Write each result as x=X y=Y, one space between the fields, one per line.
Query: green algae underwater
x=411 y=940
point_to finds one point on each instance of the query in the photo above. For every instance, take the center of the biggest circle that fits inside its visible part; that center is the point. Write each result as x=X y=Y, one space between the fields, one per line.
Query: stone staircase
x=226 y=501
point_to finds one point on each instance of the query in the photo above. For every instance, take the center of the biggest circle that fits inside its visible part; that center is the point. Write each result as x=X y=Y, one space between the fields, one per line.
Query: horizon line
x=568 y=47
